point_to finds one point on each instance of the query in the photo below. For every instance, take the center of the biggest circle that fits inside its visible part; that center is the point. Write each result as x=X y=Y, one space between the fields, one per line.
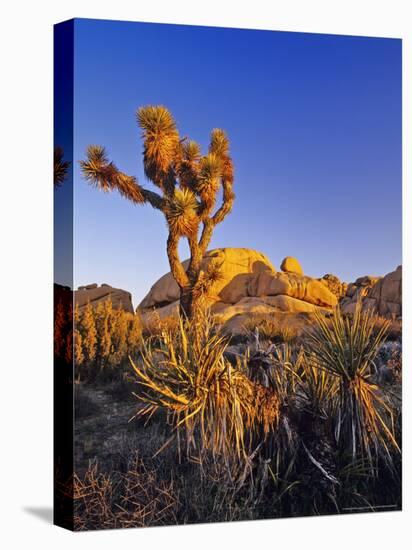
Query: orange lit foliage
x=94 y=338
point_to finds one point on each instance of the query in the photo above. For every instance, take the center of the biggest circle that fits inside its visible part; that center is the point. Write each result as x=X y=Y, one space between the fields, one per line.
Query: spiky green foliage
x=160 y=142
x=181 y=212
x=104 y=175
x=345 y=347
x=216 y=404
x=187 y=164
x=219 y=145
x=208 y=182
x=208 y=278
x=60 y=167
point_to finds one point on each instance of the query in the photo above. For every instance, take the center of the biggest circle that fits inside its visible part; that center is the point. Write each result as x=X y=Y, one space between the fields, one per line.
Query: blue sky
x=315 y=129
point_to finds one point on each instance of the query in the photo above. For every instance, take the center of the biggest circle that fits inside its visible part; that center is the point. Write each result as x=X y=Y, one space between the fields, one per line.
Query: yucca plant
x=189 y=183
x=316 y=389
x=345 y=347
x=215 y=404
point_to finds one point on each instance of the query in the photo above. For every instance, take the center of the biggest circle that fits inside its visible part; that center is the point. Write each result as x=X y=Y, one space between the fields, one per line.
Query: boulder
x=121 y=299
x=334 y=284
x=237 y=265
x=263 y=305
x=380 y=294
x=386 y=294
x=302 y=288
x=291 y=265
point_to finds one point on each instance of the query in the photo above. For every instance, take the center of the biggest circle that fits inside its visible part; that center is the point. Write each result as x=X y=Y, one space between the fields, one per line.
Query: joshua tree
x=60 y=167
x=189 y=183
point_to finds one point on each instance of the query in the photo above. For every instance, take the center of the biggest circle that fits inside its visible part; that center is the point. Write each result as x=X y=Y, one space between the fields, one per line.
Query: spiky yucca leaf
x=60 y=167
x=191 y=150
x=187 y=164
x=219 y=145
x=346 y=347
x=161 y=140
x=216 y=404
x=317 y=389
x=213 y=274
x=181 y=212
x=210 y=170
x=209 y=180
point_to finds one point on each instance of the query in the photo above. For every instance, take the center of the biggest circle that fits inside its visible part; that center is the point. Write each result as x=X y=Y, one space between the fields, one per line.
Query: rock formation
x=382 y=294
x=249 y=284
x=235 y=266
x=121 y=299
x=335 y=285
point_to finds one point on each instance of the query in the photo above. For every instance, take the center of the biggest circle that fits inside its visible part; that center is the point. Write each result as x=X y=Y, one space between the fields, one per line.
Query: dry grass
x=276 y=328
x=136 y=498
x=156 y=326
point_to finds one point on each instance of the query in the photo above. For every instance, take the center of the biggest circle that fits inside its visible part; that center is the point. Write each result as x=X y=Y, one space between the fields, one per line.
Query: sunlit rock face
x=381 y=294
x=249 y=284
x=121 y=299
x=291 y=265
x=236 y=266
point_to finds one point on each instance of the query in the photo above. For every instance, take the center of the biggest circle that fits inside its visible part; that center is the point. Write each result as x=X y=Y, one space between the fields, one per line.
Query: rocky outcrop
x=121 y=299
x=386 y=295
x=236 y=265
x=335 y=285
x=249 y=284
x=381 y=294
x=292 y=285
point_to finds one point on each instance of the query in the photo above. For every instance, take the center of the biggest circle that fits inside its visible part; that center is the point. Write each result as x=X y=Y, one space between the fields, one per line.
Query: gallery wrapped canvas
x=228 y=281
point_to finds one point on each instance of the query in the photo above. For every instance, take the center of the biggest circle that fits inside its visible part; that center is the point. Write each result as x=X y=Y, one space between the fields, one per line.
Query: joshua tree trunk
x=188 y=303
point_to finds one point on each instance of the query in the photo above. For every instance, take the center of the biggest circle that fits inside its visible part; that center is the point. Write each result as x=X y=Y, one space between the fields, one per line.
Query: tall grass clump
x=342 y=351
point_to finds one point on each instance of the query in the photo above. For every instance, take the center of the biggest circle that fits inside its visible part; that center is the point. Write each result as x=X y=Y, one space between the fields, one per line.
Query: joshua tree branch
x=178 y=271
x=227 y=203
x=210 y=223
x=155 y=200
x=105 y=175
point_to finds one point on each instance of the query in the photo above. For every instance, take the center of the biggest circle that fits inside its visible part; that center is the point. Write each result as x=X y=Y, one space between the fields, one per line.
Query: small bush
x=217 y=405
x=104 y=338
x=276 y=329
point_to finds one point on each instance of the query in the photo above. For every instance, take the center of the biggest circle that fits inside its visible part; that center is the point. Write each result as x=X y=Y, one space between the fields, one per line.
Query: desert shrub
x=104 y=337
x=273 y=328
x=133 y=498
x=156 y=326
x=216 y=405
x=346 y=348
